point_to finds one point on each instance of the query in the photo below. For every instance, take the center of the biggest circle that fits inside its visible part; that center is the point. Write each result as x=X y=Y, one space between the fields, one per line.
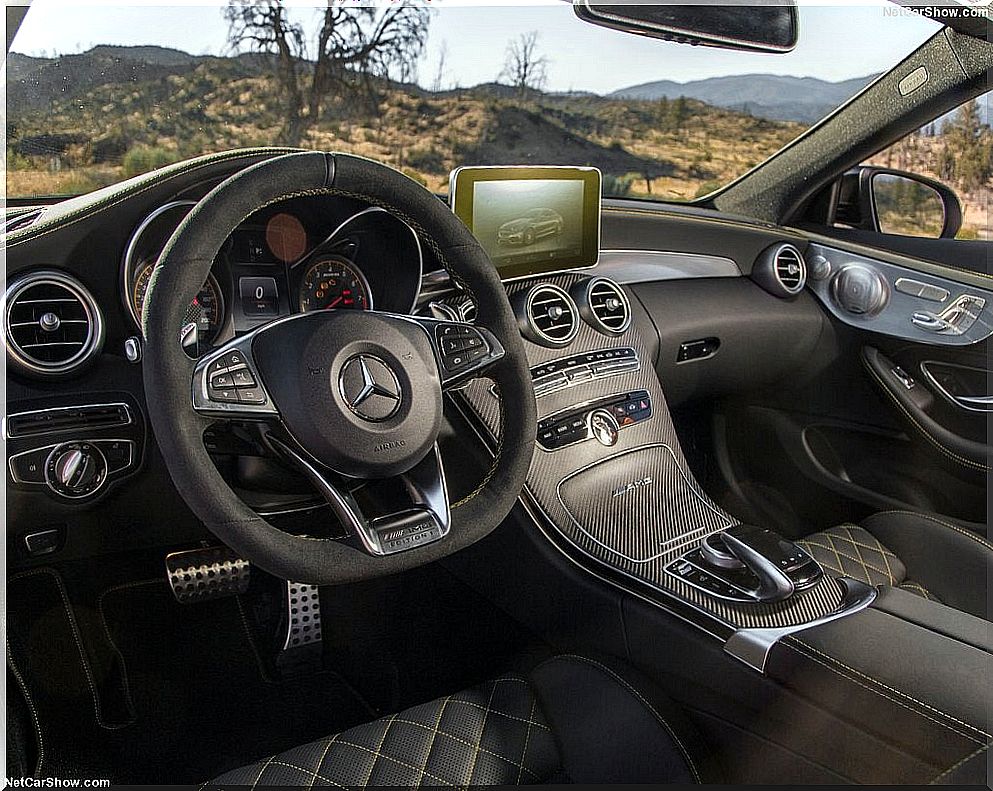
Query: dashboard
x=702 y=292
x=298 y=256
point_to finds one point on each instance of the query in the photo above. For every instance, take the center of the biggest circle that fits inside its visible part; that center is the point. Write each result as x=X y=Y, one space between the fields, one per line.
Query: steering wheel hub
x=360 y=392
x=370 y=388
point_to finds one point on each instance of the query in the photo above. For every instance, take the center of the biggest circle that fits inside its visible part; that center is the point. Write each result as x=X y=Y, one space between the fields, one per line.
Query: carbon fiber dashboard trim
x=632 y=488
x=677 y=515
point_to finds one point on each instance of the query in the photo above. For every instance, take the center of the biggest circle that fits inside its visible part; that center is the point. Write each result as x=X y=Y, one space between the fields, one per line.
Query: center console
x=609 y=484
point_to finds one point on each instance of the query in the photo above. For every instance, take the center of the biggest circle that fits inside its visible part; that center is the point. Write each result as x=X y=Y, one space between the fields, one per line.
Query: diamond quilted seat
x=931 y=557
x=571 y=719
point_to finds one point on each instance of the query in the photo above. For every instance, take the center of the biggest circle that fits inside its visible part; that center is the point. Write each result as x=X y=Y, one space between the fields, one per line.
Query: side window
x=955 y=150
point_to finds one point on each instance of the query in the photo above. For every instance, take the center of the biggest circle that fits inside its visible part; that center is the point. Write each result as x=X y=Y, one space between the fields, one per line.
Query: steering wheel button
x=225 y=395
x=243 y=378
x=451 y=345
x=222 y=381
x=251 y=395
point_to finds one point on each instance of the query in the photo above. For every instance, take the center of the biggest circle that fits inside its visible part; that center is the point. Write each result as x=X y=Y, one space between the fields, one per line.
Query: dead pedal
x=211 y=573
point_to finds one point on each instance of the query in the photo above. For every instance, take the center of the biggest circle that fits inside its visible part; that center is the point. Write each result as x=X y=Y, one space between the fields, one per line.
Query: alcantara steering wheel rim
x=180 y=398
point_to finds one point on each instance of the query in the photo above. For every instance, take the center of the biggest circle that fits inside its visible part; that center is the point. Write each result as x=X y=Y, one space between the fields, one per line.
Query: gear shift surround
x=748 y=563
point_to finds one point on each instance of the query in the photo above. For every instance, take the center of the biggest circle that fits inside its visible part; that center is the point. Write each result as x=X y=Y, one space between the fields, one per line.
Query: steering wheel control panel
x=600 y=420
x=74 y=453
x=568 y=371
x=748 y=564
x=460 y=345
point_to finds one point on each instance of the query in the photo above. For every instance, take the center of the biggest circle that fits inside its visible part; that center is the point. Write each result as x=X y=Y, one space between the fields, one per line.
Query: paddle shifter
x=747 y=563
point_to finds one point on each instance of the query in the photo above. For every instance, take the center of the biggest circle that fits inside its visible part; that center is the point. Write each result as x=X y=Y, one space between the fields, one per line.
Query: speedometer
x=334 y=283
x=203 y=318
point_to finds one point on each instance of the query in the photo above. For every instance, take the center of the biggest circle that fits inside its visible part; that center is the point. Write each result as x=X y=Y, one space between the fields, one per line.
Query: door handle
x=976 y=402
x=915 y=403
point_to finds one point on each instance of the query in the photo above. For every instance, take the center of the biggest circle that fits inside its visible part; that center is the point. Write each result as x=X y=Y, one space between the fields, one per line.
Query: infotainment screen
x=531 y=220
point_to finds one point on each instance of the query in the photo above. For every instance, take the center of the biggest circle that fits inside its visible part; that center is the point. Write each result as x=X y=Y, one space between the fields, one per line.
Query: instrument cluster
x=303 y=255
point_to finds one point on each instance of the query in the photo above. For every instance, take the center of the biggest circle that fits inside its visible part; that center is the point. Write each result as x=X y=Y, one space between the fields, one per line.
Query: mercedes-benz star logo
x=369 y=387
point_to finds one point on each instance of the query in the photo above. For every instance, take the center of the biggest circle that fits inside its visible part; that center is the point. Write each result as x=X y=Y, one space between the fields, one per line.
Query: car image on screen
x=526 y=230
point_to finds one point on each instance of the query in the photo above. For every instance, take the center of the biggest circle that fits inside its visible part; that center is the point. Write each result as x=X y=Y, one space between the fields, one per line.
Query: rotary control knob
x=604 y=427
x=860 y=290
x=76 y=470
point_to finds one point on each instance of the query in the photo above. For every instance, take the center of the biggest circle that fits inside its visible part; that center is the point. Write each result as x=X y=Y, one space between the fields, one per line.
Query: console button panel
x=740 y=584
x=568 y=371
x=574 y=425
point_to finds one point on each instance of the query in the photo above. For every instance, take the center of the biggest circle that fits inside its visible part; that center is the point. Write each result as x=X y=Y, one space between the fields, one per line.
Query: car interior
x=320 y=476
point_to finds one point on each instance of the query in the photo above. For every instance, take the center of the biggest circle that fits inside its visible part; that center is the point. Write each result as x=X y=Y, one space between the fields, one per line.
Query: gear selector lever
x=748 y=563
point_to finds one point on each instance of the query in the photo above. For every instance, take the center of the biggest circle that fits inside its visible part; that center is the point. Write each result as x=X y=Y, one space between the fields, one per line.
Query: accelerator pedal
x=302 y=650
x=197 y=575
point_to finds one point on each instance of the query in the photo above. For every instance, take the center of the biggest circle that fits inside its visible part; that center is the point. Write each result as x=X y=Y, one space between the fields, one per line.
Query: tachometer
x=334 y=283
x=203 y=317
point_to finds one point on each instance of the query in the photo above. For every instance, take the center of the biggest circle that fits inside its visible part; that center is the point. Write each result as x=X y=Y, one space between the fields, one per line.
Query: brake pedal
x=200 y=574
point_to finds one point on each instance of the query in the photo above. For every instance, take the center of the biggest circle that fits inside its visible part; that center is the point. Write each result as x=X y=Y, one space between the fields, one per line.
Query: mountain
x=152 y=55
x=779 y=98
x=37 y=83
x=79 y=121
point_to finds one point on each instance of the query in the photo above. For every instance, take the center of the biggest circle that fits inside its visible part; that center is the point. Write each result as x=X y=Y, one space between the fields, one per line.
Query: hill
x=79 y=121
x=801 y=99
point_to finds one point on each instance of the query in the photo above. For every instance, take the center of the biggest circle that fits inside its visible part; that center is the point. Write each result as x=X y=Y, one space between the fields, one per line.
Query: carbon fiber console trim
x=612 y=534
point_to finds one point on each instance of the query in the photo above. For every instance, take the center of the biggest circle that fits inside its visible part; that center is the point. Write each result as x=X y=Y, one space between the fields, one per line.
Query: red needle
x=334 y=303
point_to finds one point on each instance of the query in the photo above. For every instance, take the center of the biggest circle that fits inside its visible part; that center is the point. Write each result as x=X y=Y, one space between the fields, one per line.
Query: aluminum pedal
x=303 y=649
x=303 y=615
x=201 y=574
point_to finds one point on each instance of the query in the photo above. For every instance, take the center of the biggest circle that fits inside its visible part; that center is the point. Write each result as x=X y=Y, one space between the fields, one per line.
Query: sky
x=852 y=38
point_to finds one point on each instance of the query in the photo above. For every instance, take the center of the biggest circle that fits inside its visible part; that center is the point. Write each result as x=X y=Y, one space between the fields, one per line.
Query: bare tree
x=439 y=76
x=525 y=67
x=355 y=48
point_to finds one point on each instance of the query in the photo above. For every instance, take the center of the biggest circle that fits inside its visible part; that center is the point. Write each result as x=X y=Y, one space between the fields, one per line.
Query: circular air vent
x=548 y=315
x=52 y=325
x=781 y=270
x=790 y=268
x=603 y=304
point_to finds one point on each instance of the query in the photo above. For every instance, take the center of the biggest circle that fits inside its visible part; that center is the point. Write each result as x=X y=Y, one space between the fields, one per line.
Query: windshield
x=98 y=93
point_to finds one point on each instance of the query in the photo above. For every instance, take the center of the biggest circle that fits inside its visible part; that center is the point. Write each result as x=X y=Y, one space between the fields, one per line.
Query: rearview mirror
x=764 y=25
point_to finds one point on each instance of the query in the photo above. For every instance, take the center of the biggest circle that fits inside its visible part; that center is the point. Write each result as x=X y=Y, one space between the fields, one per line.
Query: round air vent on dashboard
x=603 y=304
x=52 y=325
x=781 y=270
x=547 y=315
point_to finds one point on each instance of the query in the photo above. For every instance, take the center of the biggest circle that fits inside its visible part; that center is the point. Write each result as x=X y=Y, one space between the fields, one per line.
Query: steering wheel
x=346 y=396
